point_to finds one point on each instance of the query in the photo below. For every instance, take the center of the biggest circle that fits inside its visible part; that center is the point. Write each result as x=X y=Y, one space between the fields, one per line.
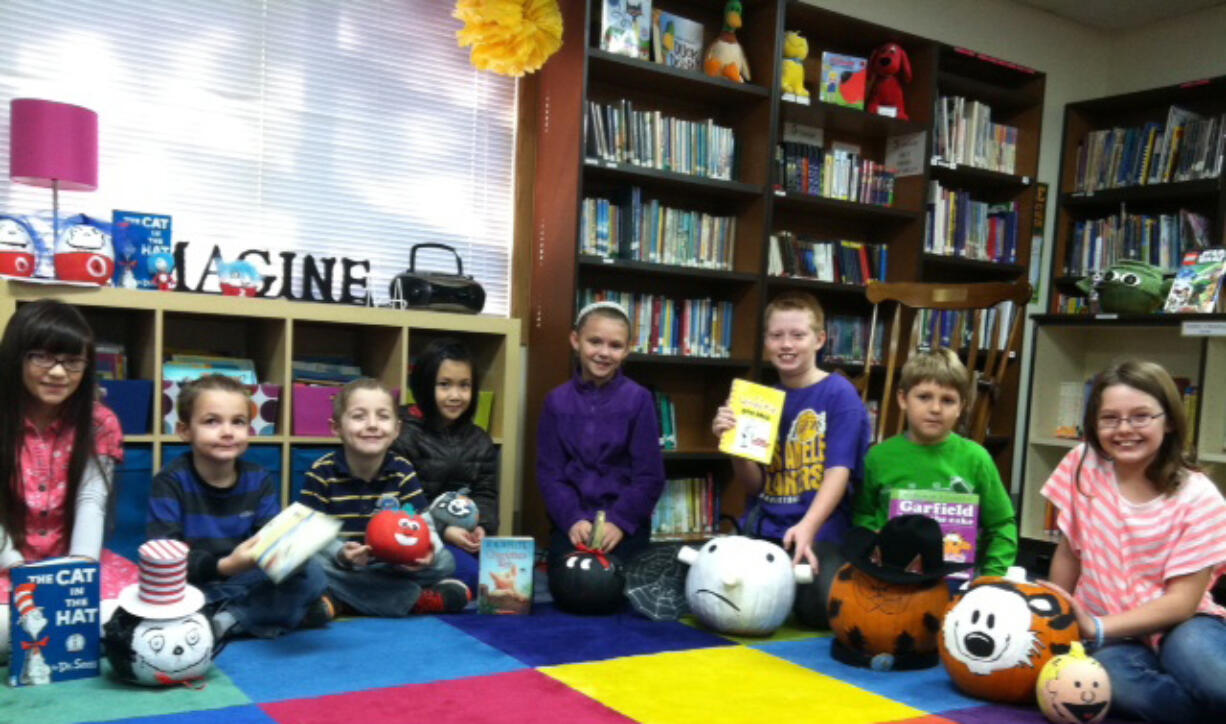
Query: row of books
x=957 y=225
x=843 y=262
x=1160 y=239
x=836 y=173
x=616 y=132
x=953 y=328
x=665 y=326
x=847 y=340
x=110 y=361
x=1189 y=146
x=325 y=371
x=687 y=507
x=643 y=230
x=666 y=418
x=963 y=133
x=187 y=367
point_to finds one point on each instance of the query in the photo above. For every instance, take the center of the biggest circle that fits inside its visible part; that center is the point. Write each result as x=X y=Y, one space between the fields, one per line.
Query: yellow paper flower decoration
x=509 y=37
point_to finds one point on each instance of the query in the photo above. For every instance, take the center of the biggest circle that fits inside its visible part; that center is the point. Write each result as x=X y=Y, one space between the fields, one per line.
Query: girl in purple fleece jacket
x=598 y=446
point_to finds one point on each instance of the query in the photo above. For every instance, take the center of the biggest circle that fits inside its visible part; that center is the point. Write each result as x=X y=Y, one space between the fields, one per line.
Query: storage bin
x=132 y=403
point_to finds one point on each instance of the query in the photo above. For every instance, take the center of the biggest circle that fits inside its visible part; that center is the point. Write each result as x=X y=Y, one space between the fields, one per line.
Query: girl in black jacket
x=450 y=452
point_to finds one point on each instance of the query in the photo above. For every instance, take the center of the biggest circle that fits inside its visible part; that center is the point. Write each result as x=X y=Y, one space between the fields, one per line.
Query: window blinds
x=353 y=128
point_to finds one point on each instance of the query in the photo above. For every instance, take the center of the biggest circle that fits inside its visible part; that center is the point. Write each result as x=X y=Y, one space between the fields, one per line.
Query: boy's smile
x=792 y=343
x=932 y=411
x=219 y=427
x=369 y=424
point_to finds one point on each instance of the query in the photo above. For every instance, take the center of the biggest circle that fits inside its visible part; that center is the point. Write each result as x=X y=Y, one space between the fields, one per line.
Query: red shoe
x=447 y=596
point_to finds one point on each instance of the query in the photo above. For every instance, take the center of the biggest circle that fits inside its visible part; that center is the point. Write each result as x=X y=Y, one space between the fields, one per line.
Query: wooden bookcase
x=756 y=111
x=1071 y=348
x=273 y=332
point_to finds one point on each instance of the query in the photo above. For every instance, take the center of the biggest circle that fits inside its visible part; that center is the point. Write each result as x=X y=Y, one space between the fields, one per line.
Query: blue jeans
x=466 y=566
x=381 y=589
x=263 y=608
x=1185 y=681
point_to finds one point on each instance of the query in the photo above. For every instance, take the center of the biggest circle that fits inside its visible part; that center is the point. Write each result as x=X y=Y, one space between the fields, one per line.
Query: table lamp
x=53 y=144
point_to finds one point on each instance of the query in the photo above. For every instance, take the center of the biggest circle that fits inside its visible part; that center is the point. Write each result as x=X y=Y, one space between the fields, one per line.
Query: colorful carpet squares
x=546 y=667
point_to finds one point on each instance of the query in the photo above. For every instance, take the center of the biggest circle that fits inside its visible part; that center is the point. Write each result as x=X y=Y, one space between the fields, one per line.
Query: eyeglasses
x=45 y=360
x=1138 y=421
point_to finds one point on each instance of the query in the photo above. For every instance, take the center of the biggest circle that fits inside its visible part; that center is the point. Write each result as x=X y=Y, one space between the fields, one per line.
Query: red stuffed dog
x=885 y=66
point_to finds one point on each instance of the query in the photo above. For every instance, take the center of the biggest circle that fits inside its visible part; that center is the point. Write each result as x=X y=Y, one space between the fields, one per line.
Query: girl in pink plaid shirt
x=58 y=447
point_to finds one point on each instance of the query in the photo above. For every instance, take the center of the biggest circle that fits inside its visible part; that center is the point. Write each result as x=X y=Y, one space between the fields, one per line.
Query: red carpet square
x=518 y=697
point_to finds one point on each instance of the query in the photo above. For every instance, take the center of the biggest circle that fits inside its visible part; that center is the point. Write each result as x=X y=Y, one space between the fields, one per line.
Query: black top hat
x=908 y=549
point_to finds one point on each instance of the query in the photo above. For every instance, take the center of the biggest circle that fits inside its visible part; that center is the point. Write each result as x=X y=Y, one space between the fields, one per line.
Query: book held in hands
x=291 y=537
x=54 y=621
x=758 y=409
x=958 y=514
x=504 y=577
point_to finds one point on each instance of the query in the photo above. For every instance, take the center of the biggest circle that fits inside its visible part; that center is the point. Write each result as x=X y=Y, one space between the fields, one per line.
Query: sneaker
x=447 y=596
x=225 y=626
x=320 y=613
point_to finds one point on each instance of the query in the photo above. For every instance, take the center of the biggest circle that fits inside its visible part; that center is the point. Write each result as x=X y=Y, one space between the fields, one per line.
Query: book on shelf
x=110 y=361
x=954 y=328
x=617 y=132
x=758 y=409
x=687 y=507
x=1198 y=283
x=1159 y=239
x=665 y=326
x=841 y=261
x=957 y=513
x=963 y=133
x=1069 y=411
x=843 y=80
x=504 y=576
x=291 y=538
x=637 y=229
x=1188 y=146
x=625 y=27
x=666 y=418
x=175 y=370
x=957 y=225
x=140 y=241
x=676 y=41
x=838 y=172
x=847 y=340
x=55 y=621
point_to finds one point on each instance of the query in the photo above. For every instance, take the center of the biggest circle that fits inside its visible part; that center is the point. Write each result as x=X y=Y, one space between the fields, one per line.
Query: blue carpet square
x=357 y=654
x=249 y=714
x=549 y=637
x=928 y=689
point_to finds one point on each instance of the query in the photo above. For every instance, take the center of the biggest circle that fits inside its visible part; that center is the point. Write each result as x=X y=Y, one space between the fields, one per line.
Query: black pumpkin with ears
x=587 y=581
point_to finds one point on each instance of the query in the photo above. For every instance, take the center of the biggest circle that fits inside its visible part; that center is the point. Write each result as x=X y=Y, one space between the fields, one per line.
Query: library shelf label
x=1203 y=329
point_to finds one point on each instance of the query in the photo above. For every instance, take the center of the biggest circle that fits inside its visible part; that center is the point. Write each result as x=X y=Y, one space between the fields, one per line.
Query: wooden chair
x=976 y=299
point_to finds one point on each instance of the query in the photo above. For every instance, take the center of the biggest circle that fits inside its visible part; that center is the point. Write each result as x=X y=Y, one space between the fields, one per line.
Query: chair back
x=972 y=319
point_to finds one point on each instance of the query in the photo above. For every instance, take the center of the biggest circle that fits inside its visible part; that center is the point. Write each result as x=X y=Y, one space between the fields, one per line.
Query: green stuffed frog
x=1129 y=286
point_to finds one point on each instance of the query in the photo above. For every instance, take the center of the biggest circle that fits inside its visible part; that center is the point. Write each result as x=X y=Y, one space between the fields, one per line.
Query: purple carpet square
x=549 y=637
x=357 y=654
x=929 y=689
x=248 y=714
x=1004 y=714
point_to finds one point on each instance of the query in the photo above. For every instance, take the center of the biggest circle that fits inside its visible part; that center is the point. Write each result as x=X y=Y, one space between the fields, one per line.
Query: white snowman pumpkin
x=16 y=249
x=83 y=253
x=741 y=585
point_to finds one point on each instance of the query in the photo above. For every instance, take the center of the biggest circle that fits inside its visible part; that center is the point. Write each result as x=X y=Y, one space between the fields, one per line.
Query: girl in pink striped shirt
x=1142 y=542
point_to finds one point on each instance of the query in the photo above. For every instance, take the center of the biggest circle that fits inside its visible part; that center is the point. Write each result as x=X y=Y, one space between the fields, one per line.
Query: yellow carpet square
x=789 y=631
x=724 y=686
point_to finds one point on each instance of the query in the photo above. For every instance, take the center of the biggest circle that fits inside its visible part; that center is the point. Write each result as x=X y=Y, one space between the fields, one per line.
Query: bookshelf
x=273 y=332
x=1069 y=347
x=756 y=197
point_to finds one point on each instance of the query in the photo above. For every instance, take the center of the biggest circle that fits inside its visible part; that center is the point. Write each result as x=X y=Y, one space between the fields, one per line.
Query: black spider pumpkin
x=588 y=582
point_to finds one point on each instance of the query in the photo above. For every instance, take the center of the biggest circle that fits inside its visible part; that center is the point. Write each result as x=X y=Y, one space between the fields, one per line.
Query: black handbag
x=437 y=291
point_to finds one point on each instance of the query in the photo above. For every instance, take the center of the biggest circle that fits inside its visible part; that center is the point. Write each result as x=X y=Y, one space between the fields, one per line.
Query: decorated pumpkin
x=1000 y=631
x=587 y=581
x=1074 y=688
x=886 y=604
x=740 y=585
x=83 y=253
x=893 y=625
x=400 y=536
x=454 y=507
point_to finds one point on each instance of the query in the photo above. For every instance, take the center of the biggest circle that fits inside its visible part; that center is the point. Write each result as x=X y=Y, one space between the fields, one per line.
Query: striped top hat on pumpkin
x=163 y=591
x=23 y=598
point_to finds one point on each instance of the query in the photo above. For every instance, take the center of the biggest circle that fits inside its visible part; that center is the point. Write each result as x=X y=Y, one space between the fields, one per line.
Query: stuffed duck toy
x=725 y=56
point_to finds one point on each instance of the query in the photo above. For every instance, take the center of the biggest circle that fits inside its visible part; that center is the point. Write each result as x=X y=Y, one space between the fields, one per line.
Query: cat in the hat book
x=54 y=612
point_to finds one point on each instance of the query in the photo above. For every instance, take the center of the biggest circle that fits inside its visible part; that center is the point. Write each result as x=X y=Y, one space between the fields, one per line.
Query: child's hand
x=356 y=554
x=611 y=536
x=461 y=539
x=580 y=533
x=724 y=420
x=800 y=538
x=240 y=559
x=421 y=565
x=1084 y=620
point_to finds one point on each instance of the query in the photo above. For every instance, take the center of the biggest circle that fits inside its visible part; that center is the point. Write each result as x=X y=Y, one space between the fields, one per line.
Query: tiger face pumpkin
x=998 y=634
x=885 y=625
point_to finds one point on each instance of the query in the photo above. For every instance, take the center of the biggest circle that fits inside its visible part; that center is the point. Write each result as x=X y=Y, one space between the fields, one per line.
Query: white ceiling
x=1119 y=14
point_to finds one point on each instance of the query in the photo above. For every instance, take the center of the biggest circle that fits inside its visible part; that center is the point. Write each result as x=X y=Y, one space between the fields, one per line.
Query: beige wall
x=1180 y=49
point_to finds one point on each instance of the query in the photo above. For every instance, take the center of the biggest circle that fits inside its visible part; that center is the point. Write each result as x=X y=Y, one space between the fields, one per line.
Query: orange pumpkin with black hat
x=886 y=603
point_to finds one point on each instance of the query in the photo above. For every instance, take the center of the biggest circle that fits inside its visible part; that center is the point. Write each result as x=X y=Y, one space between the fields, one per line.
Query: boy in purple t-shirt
x=804 y=496
x=598 y=442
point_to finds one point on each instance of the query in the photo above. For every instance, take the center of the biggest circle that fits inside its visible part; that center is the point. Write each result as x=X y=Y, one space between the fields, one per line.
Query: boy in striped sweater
x=213 y=500
x=354 y=484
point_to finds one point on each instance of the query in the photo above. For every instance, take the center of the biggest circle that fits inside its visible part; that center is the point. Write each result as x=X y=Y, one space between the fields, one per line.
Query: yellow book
x=757 y=409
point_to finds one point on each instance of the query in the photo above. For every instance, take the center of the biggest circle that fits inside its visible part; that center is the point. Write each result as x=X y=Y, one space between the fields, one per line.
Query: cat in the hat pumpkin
x=83 y=252
x=160 y=636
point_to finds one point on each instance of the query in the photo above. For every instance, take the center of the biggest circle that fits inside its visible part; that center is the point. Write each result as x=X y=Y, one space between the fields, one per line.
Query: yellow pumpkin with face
x=1074 y=688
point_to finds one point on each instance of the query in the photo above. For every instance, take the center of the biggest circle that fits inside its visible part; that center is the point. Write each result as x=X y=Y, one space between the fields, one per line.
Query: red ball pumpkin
x=998 y=634
x=885 y=625
x=398 y=536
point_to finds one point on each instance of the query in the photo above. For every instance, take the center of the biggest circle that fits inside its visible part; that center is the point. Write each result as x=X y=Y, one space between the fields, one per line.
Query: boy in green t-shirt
x=933 y=390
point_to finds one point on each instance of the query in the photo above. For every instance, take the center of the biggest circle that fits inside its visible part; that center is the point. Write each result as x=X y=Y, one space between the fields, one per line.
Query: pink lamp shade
x=50 y=142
